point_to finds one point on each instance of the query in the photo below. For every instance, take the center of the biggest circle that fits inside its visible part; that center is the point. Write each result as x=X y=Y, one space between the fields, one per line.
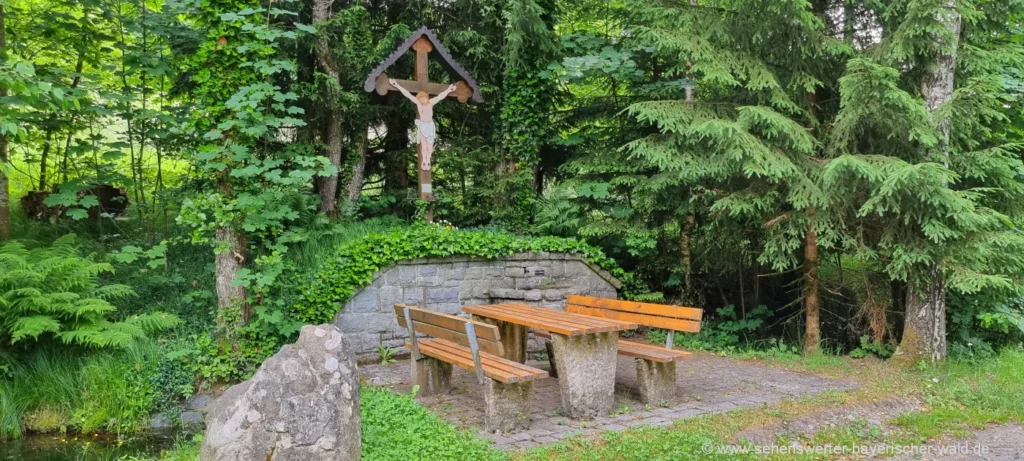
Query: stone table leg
x=657 y=381
x=586 y=373
x=431 y=375
x=513 y=338
x=507 y=406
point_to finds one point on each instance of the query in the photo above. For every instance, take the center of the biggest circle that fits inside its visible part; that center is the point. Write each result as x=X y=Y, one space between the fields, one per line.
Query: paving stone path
x=706 y=384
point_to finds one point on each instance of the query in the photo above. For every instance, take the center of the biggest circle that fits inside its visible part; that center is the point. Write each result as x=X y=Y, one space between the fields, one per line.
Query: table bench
x=474 y=346
x=587 y=345
x=655 y=366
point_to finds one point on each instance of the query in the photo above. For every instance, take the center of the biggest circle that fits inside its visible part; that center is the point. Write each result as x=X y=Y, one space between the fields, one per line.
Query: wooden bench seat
x=651 y=352
x=638 y=350
x=474 y=346
x=494 y=367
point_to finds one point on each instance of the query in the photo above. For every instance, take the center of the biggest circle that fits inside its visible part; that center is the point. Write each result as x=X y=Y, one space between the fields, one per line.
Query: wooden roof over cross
x=425 y=43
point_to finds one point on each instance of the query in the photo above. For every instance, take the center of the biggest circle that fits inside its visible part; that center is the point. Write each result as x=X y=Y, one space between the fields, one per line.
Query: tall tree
x=923 y=161
x=334 y=131
x=5 y=194
x=924 y=331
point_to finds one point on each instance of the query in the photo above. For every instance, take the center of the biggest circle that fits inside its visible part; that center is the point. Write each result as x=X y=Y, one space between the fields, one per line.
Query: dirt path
x=996 y=443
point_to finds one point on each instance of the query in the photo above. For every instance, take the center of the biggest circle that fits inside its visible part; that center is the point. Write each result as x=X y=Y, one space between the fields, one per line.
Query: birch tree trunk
x=355 y=183
x=229 y=261
x=924 y=330
x=335 y=133
x=5 y=198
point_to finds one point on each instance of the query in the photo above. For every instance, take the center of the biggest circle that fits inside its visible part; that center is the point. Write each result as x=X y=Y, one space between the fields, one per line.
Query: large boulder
x=302 y=404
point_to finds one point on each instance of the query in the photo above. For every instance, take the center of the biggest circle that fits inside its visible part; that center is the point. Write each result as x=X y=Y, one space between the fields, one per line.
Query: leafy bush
x=396 y=427
x=726 y=332
x=55 y=291
x=868 y=346
x=982 y=322
x=354 y=263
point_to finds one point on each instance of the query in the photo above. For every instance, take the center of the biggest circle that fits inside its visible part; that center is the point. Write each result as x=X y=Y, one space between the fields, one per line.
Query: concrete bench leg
x=551 y=358
x=507 y=406
x=586 y=373
x=433 y=376
x=657 y=381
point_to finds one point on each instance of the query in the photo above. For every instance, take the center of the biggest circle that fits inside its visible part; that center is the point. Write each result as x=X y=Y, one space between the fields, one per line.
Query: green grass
x=395 y=427
x=960 y=396
x=55 y=391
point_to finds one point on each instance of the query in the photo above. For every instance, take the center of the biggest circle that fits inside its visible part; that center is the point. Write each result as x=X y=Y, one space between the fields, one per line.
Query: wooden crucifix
x=424 y=94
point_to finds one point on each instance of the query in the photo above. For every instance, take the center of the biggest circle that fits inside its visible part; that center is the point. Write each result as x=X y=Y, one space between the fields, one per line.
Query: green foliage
x=54 y=390
x=726 y=332
x=352 y=265
x=982 y=323
x=117 y=393
x=249 y=185
x=396 y=427
x=868 y=346
x=54 y=292
x=387 y=354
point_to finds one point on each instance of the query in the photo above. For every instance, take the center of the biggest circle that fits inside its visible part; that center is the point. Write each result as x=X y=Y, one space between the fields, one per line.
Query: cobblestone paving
x=706 y=384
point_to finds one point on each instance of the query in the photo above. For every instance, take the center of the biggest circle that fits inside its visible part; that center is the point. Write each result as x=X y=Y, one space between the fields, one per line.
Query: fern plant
x=55 y=293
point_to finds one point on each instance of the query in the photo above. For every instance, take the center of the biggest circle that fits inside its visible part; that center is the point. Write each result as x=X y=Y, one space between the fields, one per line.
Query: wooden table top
x=553 y=320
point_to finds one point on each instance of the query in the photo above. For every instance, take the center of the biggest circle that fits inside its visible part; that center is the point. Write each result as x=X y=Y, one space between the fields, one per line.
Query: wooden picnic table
x=586 y=348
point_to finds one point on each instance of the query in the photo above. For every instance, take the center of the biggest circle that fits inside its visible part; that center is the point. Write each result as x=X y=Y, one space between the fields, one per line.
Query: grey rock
x=191 y=418
x=302 y=403
x=198 y=402
x=160 y=421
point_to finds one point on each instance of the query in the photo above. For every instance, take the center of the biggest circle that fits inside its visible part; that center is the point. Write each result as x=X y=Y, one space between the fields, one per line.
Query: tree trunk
x=5 y=198
x=686 y=257
x=355 y=183
x=229 y=261
x=328 y=186
x=812 y=306
x=924 y=329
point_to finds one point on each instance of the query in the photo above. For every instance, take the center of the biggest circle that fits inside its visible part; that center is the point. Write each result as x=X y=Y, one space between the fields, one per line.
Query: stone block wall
x=447 y=284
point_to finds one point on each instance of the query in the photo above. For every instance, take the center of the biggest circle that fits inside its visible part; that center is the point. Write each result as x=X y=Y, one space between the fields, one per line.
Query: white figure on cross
x=425 y=123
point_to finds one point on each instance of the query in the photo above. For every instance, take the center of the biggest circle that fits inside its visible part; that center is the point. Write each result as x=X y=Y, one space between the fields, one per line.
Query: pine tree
x=737 y=150
x=922 y=159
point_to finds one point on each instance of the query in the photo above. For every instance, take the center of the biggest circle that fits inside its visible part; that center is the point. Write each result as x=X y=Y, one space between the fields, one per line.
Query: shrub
x=396 y=427
x=55 y=291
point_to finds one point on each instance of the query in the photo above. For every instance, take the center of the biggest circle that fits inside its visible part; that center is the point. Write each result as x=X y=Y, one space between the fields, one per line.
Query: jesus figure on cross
x=425 y=123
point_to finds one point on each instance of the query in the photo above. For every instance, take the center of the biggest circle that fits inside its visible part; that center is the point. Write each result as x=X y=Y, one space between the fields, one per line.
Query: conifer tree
x=921 y=159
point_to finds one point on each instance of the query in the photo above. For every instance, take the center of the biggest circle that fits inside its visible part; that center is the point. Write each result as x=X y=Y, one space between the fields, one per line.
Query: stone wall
x=447 y=284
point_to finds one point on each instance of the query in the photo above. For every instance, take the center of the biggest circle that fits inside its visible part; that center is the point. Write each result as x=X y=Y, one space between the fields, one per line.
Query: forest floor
x=853 y=409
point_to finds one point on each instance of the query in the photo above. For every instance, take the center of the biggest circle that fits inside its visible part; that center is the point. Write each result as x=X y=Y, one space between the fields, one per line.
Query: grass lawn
x=959 y=397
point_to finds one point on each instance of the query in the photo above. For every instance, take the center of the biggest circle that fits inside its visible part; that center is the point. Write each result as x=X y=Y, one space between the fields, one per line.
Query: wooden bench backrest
x=653 y=315
x=452 y=328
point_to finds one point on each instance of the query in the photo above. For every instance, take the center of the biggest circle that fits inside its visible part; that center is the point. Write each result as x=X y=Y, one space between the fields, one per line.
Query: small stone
x=189 y=418
x=160 y=421
x=198 y=402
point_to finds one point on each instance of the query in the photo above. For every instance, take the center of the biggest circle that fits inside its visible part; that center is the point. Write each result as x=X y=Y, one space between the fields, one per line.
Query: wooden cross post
x=422 y=82
x=423 y=48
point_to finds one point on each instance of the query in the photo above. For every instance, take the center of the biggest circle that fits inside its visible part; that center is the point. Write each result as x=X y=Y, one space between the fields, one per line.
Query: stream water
x=87 y=447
